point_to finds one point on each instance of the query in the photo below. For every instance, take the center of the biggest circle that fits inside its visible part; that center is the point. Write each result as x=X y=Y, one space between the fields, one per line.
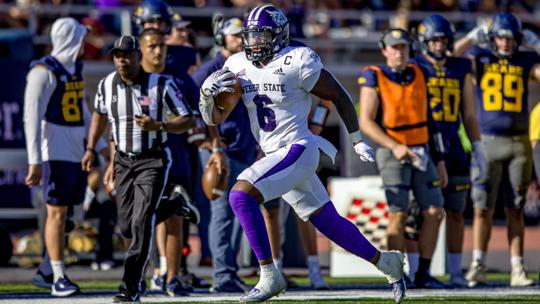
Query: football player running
x=502 y=74
x=451 y=99
x=276 y=82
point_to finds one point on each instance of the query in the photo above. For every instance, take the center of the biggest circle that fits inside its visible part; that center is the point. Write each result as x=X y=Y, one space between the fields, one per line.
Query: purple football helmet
x=265 y=32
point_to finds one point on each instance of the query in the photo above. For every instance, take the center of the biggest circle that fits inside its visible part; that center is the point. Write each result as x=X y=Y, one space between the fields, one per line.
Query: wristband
x=217 y=149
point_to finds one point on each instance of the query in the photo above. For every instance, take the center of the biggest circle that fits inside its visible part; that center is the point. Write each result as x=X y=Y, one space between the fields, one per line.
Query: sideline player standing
x=502 y=76
x=54 y=126
x=451 y=98
x=397 y=91
x=276 y=83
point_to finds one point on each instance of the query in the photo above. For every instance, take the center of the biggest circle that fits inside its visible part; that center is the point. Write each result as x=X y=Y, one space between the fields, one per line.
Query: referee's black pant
x=139 y=184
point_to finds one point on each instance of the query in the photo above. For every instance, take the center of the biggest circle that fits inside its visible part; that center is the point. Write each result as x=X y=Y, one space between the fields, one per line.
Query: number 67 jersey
x=502 y=91
x=277 y=95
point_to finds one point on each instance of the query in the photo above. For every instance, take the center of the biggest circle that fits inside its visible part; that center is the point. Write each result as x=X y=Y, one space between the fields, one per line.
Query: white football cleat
x=391 y=265
x=476 y=274
x=270 y=284
x=519 y=277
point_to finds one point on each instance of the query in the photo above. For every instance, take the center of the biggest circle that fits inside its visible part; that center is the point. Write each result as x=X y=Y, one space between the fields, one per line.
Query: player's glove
x=365 y=152
x=479 y=160
x=479 y=34
x=219 y=81
x=531 y=40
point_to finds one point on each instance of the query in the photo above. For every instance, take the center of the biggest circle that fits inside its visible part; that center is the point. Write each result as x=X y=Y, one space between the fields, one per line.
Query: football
x=226 y=100
x=214 y=184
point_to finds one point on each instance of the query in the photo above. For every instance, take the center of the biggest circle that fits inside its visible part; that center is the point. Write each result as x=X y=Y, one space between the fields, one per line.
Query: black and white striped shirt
x=150 y=94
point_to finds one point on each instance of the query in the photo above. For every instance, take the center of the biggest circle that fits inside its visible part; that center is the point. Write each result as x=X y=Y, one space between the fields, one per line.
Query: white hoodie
x=44 y=140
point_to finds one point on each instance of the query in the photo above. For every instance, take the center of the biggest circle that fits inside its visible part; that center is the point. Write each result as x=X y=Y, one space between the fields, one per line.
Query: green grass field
x=501 y=278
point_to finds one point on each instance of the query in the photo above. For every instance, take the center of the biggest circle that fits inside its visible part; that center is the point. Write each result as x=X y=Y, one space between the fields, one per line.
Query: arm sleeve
x=40 y=84
x=174 y=99
x=310 y=69
x=99 y=101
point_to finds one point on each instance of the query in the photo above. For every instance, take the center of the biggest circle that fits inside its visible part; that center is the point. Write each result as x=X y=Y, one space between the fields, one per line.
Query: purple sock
x=250 y=217
x=342 y=232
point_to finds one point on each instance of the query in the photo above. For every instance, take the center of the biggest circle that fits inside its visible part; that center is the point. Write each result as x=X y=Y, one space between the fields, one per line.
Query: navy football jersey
x=65 y=105
x=502 y=91
x=445 y=92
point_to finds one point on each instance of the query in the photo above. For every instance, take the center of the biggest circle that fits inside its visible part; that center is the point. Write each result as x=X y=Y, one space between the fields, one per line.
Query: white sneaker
x=519 y=277
x=317 y=280
x=106 y=265
x=476 y=274
x=270 y=284
x=391 y=265
x=458 y=280
x=156 y=283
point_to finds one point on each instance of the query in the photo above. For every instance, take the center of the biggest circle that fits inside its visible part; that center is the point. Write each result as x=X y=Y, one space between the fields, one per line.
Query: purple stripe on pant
x=292 y=156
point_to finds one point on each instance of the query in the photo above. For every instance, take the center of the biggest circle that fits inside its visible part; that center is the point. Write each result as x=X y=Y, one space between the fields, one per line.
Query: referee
x=136 y=103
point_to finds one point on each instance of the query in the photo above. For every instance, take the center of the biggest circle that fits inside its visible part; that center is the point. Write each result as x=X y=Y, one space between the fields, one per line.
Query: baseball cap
x=178 y=21
x=395 y=37
x=125 y=43
x=232 y=26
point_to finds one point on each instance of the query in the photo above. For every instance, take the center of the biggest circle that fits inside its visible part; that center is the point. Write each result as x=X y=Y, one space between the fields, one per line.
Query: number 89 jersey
x=277 y=95
x=502 y=91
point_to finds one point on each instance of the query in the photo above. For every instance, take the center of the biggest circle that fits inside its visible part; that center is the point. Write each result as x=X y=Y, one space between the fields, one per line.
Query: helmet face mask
x=437 y=47
x=504 y=45
x=436 y=28
x=257 y=43
x=265 y=32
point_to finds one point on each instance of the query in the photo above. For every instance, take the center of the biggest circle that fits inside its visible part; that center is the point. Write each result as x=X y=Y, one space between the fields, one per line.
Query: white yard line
x=99 y=298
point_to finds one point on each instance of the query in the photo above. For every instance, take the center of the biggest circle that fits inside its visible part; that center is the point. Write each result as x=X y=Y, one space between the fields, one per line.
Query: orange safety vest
x=404 y=108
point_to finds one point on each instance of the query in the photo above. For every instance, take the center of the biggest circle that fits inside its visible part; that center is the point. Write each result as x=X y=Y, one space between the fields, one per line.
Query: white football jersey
x=277 y=95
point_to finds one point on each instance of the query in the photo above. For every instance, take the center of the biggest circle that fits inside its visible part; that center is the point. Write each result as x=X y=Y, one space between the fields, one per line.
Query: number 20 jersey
x=277 y=95
x=502 y=91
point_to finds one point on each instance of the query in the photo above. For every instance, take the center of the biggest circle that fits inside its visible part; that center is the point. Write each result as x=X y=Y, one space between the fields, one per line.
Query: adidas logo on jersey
x=278 y=71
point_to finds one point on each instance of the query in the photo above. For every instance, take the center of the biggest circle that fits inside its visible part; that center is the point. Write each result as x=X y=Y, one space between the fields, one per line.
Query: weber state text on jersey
x=65 y=105
x=277 y=95
x=445 y=93
x=502 y=91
